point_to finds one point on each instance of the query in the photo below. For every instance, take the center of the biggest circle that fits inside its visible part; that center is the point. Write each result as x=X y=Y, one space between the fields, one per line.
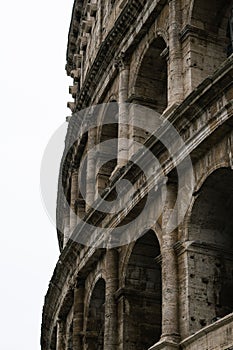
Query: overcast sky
x=34 y=93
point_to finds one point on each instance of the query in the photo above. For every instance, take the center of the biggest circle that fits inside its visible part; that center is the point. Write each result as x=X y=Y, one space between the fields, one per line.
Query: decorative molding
x=189 y=30
x=122 y=61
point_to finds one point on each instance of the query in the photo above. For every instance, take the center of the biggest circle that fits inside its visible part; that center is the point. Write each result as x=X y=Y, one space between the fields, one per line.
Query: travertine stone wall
x=217 y=336
x=167 y=289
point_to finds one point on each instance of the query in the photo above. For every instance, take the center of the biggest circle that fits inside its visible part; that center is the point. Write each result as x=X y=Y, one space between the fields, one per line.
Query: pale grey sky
x=34 y=92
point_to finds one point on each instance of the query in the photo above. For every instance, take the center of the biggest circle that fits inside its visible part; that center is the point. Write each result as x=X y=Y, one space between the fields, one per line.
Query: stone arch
x=205 y=40
x=113 y=98
x=91 y=282
x=151 y=90
x=157 y=231
x=218 y=183
x=143 y=293
x=94 y=330
x=210 y=254
x=144 y=46
x=199 y=182
x=206 y=173
x=163 y=33
x=208 y=14
x=212 y=16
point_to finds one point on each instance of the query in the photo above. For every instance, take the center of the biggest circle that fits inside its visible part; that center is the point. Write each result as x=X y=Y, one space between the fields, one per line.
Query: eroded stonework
x=166 y=290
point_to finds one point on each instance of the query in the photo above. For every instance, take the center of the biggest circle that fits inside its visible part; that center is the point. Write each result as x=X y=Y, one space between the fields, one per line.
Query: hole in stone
x=205 y=280
x=193 y=319
x=192 y=275
x=192 y=257
x=203 y=323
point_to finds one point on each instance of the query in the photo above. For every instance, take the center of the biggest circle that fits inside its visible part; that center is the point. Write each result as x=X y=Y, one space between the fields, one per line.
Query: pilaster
x=175 y=76
x=123 y=122
x=78 y=314
x=60 y=335
x=111 y=334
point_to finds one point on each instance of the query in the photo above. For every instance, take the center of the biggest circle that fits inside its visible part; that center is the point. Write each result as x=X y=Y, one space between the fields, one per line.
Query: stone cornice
x=208 y=329
x=150 y=11
x=73 y=33
x=202 y=248
x=190 y=30
x=107 y=50
x=111 y=46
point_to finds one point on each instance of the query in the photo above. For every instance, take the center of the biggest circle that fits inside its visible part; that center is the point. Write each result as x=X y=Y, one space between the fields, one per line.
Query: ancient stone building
x=166 y=289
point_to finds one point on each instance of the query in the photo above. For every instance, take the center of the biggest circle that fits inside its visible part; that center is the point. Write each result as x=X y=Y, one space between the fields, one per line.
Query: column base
x=170 y=108
x=164 y=344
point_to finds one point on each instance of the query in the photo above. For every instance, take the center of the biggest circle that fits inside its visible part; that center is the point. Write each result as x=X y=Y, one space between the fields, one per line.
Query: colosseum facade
x=164 y=283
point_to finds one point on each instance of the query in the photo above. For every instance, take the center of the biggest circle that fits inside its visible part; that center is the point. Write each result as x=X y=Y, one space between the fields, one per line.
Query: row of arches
x=205 y=276
x=150 y=83
x=208 y=279
x=211 y=259
x=151 y=74
x=142 y=300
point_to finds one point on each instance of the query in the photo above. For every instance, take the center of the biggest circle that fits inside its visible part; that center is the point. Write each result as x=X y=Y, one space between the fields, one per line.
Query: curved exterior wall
x=162 y=291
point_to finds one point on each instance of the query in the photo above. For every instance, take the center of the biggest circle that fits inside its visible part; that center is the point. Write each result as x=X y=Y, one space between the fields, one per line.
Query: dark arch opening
x=151 y=83
x=211 y=261
x=215 y=17
x=206 y=14
x=143 y=294
x=95 y=320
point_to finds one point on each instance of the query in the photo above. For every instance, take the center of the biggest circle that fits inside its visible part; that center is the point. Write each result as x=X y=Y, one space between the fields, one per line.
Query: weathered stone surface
x=166 y=290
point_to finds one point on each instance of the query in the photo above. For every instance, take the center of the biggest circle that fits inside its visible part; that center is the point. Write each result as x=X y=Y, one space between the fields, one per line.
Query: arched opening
x=206 y=14
x=108 y=146
x=151 y=82
x=143 y=290
x=206 y=40
x=210 y=257
x=215 y=18
x=94 y=337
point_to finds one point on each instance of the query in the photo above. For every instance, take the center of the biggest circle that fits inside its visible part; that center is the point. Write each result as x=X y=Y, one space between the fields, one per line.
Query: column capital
x=73 y=168
x=60 y=321
x=122 y=61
